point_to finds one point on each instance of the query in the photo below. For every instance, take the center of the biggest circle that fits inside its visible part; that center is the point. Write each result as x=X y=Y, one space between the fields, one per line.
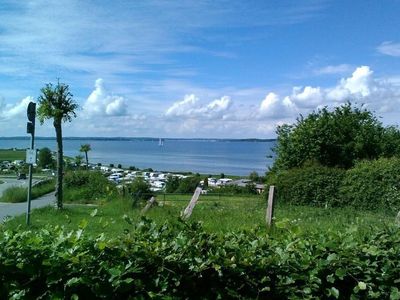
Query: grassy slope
x=10 y=155
x=224 y=215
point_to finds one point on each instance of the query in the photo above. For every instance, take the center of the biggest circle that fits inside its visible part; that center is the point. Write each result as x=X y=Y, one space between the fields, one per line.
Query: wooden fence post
x=270 y=206
x=189 y=209
x=148 y=205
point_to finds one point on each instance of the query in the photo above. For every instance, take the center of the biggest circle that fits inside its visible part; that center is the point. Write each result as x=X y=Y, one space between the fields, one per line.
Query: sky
x=199 y=68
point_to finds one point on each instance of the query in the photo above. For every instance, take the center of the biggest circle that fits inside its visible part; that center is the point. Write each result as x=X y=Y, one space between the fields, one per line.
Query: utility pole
x=30 y=154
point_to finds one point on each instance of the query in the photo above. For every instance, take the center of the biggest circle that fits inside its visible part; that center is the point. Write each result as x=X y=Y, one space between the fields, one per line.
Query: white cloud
x=190 y=107
x=333 y=70
x=10 y=111
x=389 y=48
x=101 y=103
x=378 y=94
x=273 y=107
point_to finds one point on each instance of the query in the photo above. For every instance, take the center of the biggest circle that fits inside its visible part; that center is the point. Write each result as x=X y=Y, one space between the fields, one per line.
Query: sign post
x=30 y=154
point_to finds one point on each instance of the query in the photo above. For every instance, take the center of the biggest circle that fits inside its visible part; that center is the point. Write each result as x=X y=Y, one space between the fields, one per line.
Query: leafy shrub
x=172 y=184
x=84 y=186
x=185 y=262
x=373 y=184
x=140 y=189
x=18 y=194
x=310 y=185
x=335 y=138
x=249 y=189
x=188 y=184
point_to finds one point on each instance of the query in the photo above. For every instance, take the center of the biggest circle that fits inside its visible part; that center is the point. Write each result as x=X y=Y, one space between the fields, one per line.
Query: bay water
x=205 y=156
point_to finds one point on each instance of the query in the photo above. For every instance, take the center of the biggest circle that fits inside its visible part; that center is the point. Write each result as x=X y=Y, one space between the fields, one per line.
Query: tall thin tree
x=56 y=102
x=86 y=148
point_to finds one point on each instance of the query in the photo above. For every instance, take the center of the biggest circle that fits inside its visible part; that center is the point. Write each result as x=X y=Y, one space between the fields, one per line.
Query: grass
x=10 y=155
x=19 y=194
x=217 y=214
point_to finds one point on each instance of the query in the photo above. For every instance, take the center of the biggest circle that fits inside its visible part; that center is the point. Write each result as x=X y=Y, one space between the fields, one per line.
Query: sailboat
x=160 y=142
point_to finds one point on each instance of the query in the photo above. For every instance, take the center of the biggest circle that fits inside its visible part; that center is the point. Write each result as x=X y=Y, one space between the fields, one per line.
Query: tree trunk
x=87 y=161
x=60 y=164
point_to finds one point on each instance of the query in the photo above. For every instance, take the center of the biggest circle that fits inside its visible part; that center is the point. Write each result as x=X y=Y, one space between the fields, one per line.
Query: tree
x=78 y=161
x=172 y=184
x=140 y=190
x=86 y=148
x=45 y=158
x=335 y=138
x=254 y=176
x=56 y=102
x=188 y=184
x=205 y=183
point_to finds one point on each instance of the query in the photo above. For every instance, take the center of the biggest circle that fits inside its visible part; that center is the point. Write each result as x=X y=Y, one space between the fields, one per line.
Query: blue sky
x=232 y=69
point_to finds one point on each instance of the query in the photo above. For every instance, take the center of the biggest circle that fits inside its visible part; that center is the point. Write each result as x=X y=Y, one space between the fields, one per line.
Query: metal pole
x=28 y=210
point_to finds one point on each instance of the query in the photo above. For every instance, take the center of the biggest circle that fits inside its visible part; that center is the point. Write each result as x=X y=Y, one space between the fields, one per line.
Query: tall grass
x=218 y=215
x=19 y=194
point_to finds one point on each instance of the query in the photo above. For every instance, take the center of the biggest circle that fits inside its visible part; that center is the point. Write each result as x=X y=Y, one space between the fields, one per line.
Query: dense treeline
x=338 y=158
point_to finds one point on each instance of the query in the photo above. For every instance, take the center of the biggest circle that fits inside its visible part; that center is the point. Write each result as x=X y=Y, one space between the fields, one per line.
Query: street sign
x=31 y=156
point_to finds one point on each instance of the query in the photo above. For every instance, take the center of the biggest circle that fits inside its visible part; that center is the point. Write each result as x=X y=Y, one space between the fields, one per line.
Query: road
x=15 y=209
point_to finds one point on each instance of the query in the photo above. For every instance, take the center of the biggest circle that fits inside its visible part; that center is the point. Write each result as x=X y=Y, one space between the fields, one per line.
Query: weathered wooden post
x=189 y=209
x=149 y=204
x=270 y=206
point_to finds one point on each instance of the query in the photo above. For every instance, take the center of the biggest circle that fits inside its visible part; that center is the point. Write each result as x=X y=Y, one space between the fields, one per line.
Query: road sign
x=31 y=156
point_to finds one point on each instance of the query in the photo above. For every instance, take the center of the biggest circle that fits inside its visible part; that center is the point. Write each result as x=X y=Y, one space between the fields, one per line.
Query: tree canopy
x=45 y=158
x=336 y=138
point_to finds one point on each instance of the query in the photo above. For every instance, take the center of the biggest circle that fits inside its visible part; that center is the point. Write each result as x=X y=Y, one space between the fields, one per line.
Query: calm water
x=202 y=156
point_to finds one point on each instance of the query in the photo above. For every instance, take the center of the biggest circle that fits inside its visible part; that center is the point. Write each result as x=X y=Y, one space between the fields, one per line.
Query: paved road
x=15 y=209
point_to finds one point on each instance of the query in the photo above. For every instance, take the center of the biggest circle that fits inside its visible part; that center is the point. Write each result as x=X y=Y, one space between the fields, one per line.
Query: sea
x=204 y=156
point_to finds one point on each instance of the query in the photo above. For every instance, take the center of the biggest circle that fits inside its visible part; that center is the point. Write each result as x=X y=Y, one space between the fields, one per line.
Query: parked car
x=21 y=176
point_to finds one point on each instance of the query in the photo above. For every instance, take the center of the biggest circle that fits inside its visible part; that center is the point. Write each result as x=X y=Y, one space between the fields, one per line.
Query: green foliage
x=87 y=187
x=78 y=160
x=188 y=184
x=17 y=194
x=183 y=261
x=85 y=148
x=56 y=102
x=45 y=158
x=249 y=189
x=310 y=185
x=373 y=185
x=335 y=138
x=140 y=189
x=172 y=184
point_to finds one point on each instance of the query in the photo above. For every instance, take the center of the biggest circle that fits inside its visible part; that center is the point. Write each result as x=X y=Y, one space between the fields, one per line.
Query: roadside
x=14 y=209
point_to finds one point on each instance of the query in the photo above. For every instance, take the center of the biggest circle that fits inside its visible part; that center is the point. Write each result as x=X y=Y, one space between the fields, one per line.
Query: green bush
x=335 y=138
x=249 y=189
x=140 y=190
x=19 y=194
x=373 y=185
x=310 y=185
x=185 y=262
x=188 y=184
x=87 y=187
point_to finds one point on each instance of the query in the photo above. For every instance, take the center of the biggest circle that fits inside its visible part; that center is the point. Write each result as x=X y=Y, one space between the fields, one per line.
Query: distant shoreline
x=140 y=139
